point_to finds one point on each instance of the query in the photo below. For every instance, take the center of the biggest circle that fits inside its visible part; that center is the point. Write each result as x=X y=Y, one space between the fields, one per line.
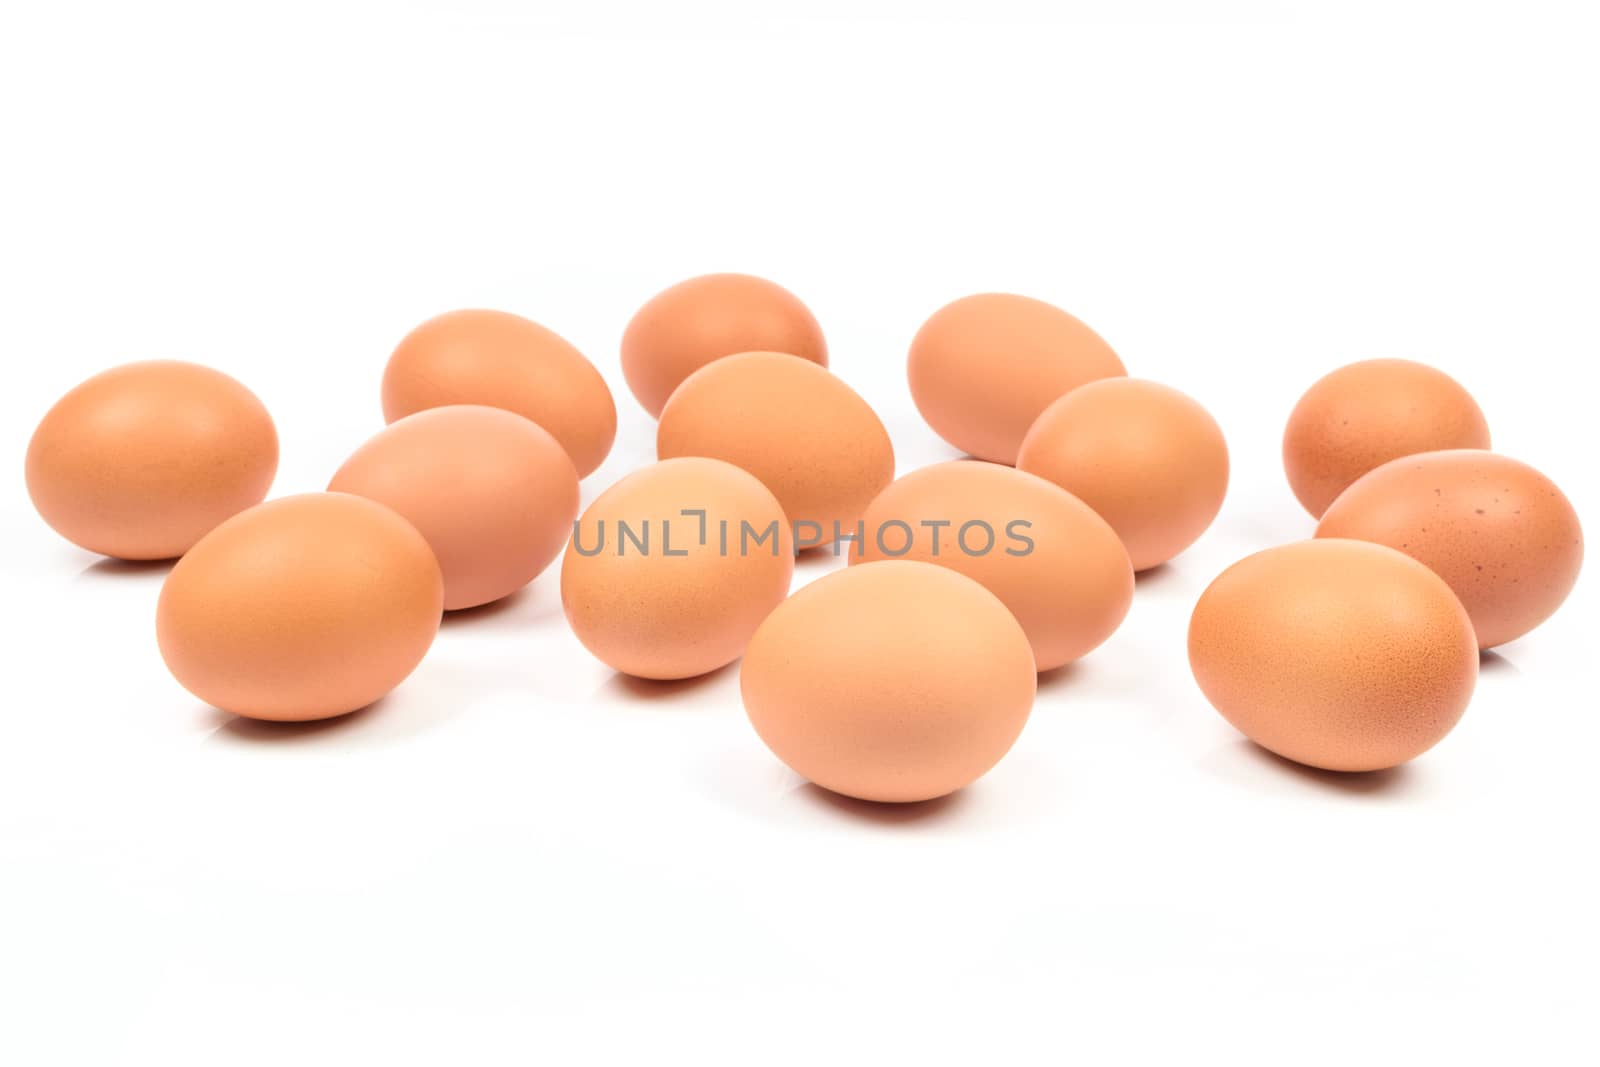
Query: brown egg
x=1363 y=415
x=143 y=460
x=683 y=328
x=1336 y=654
x=807 y=435
x=306 y=607
x=476 y=356
x=1497 y=531
x=670 y=571
x=1148 y=459
x=1050 y=559
x=493 y=494
x=984 y=367
x=892 y=681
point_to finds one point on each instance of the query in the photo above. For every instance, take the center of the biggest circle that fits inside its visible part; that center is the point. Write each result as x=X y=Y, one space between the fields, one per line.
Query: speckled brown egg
x=984 y=367
x=1342 y=655
x=682 y=328
x=1151 y=461
x=495 y=358
x=1501 y=534
x=493 y=493
x=807 y=435
x=1365 y=414
x=1051 y=560
x=141 y=461
x=671 y=570
x=892 y=681
x=301 y=608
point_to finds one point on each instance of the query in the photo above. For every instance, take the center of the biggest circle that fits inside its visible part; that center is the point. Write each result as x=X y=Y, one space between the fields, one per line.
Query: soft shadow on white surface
x=424 y=701
x=532 y=605
x=1161 y=576
x=1061 y=677
x=1491 y=662
x=1086 y=682
x=121 y=570
x=628 y=689
x=495 y=609
x=1248 y=763
x=820 y=559
x=920 y=813
x=236 y=729
x=1018 y=793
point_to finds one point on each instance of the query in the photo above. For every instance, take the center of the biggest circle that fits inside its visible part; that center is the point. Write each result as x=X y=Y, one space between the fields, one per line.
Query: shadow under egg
x=485 y=612
x=633 y=689
x=243 y=729
x=1492 y=662
x=1162 y=575
x=1389 y=781
x=884 y=813
x=1060 y=677
x=109 y=569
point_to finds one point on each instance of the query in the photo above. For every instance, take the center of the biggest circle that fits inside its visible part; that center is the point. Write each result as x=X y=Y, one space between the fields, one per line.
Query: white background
x=523 y=857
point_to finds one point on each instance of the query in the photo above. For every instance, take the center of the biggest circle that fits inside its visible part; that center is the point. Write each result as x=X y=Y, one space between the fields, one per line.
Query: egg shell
x=807 y=435
x=492 y=492
x=984 y=367
x=1151 y=461
x=1365 y=414
x=141 y=461
x=682 y=595
x=302 y=608
x=1337 y=654
x=495 y=358
x=1055 y=564
x=682 y=328
x=891 y=681
x=1500 y=534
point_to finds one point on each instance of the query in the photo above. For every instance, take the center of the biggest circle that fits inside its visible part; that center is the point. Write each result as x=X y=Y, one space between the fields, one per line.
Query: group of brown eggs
x=904 y=676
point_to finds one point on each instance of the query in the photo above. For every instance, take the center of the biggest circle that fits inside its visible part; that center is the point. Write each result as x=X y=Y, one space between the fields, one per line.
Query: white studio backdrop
x=523 y=857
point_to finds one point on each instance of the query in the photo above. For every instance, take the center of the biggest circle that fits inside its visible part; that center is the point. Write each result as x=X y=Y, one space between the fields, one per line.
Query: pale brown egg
x=1342 y=655
x=808 y=436
x=1365 y=414
x=670 y=570
x=983 y=368
x=1500 y=534
x=143 y=460
x=1051 y=560
x=681 y=329
x=492 y=492
x=892 y=681
x=1147 y=458
x=478 y=356
x=302 y=608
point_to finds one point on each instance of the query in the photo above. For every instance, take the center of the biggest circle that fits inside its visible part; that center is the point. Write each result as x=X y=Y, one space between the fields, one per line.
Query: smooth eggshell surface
x=141 y=461
x=1147 y=458
x=892 y=681
x=1501 y=534
x=302 y=608
x=810 y=439
x=983 y=367
x=1365 y=414
x=1051 y=560
x=681 y=329
x=1337 y=654
x=670 y=570
x=479 y=356
x=493 y=494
